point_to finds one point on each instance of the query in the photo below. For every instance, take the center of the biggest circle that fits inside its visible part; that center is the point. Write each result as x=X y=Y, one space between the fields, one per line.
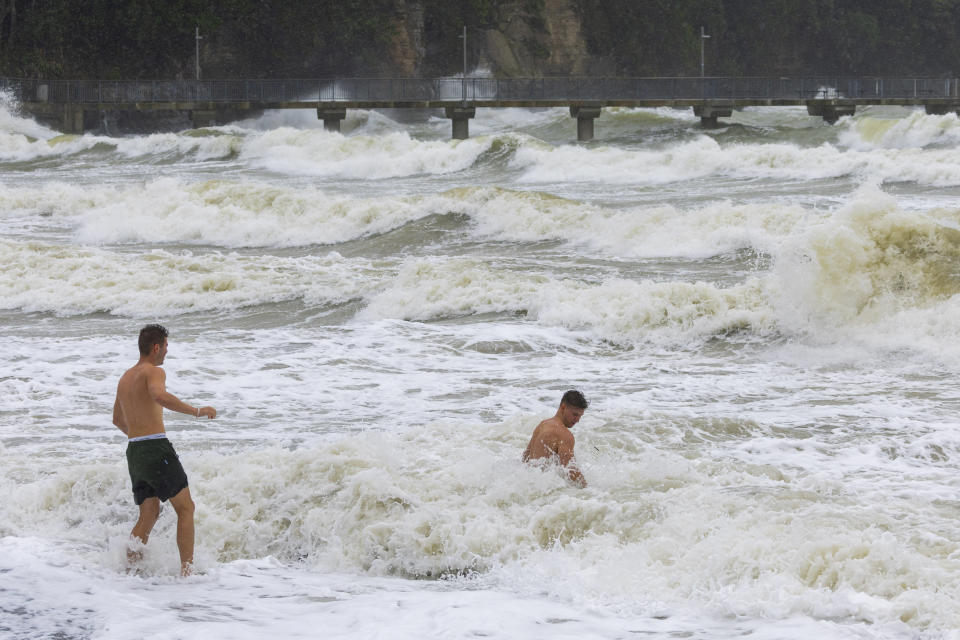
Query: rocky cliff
x=519 y=38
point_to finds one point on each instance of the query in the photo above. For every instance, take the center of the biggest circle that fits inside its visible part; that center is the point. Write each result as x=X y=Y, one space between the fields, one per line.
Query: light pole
x=198 y=38
x=703 y=36
x=464 y=82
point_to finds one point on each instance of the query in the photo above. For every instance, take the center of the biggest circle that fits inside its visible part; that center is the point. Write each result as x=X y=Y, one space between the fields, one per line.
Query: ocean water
x=765 y=318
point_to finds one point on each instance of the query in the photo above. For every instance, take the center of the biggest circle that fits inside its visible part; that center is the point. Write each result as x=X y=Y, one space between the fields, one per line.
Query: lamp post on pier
x=703 y=36
x=460 y=115
x=198 y=38
x=463 y=83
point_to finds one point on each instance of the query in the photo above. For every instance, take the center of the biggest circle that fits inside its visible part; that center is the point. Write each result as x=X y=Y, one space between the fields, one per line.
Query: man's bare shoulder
x=129 y=376
x=557 y=424
x=551 y=424
x=553 y=431
x=142 y=371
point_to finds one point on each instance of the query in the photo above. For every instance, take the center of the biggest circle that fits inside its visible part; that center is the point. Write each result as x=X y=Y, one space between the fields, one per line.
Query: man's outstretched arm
x=157 y=385
x=565 y=456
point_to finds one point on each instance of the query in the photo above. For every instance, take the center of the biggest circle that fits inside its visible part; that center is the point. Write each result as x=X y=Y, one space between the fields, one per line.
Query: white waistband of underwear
x=152 y=436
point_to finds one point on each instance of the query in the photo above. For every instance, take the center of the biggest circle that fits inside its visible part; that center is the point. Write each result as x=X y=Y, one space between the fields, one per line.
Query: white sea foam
x=705 y=157
x=239 y=215
x=67 y=280
x=860 y=268
x=871 y=264
x=863 y=266
x=870 y=260
x=617 y=309
x=655 y=531
x=260 y=214
x=915 y=131
x=22 y=139
x=201 y=147
x=659 y=231
x=322 y=153
x=214 y=212
x=247 y=600
x=771 y=444
x=511 y=120
x=19 y=147
x=13 y=122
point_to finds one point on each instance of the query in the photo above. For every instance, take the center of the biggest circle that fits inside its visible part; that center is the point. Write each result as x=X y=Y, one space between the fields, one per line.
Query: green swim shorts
x=155 y=470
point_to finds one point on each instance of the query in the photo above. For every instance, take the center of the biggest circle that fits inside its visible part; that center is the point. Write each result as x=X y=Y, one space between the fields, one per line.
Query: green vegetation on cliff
x=116 y=39
x=156 y=39
x=769 y=37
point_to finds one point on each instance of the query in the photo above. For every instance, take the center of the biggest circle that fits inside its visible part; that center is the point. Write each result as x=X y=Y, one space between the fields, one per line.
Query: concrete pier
x=77 y=105
x=709 y=114
x=460 y=116
x=585 y=116
x=75 y=118
x=942 y=108
x=830 y=111
x=68 y=118
x=331 y=117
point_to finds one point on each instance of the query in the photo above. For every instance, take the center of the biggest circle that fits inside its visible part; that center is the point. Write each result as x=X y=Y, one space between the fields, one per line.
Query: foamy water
x=765 y=318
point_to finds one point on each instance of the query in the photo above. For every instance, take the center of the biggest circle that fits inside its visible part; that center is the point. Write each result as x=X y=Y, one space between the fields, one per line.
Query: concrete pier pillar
x=72 y=119
x=709 y=114
x=585 y=117
x=331 y=117
x=460 y=116
x=830 y=112
x=75 y=119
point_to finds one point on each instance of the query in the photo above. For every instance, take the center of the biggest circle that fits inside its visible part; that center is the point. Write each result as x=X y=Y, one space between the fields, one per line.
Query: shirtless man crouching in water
x=155 y=470
x=552 y=437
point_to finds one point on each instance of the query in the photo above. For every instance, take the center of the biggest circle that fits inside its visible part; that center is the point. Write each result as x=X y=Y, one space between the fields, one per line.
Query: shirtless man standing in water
x=552 y=437
x=155 y=470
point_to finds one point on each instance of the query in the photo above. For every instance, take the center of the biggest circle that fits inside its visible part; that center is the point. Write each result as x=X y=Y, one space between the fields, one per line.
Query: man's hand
x=210 y=412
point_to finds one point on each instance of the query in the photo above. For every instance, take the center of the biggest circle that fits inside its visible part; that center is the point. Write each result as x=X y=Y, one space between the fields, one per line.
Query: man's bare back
x=134 y=406
x=552 y=439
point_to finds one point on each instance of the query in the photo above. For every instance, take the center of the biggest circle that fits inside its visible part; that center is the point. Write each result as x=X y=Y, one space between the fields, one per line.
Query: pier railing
x=502 y=90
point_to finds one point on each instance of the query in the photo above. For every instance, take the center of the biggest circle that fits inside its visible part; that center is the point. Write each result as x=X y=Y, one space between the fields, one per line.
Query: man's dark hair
x=575 y=399
x=150 y=335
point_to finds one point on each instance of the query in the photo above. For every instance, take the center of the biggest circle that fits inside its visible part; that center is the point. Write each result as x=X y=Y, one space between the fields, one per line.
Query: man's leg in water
x=183 y=504
x=149 y=512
